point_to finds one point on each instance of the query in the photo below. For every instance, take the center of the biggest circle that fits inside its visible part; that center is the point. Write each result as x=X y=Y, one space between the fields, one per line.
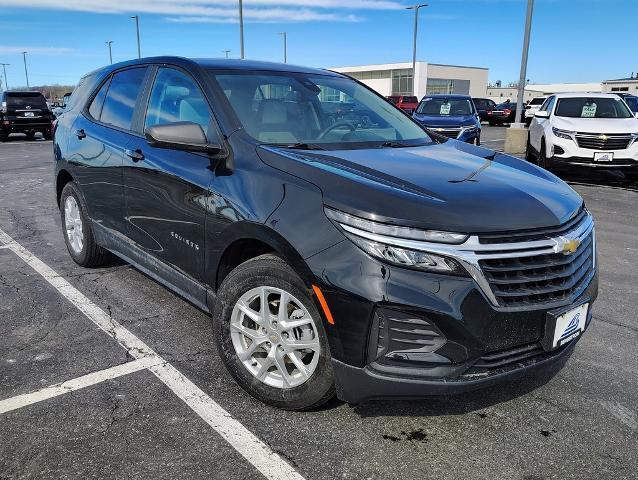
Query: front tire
x=542 y=156
x=270 y=335
x=77 y=231
x=529 y=151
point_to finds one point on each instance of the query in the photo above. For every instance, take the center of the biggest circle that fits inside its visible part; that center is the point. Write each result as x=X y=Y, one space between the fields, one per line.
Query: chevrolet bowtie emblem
x=603 y=137
x=569 y=245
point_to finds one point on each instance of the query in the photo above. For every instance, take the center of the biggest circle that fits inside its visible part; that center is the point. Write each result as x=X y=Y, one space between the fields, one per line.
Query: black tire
x=91 y=254
x=30 y=135
x=477 y=141
x=270 y=270
x=491 y=123
x=47 y=135
x=632 y=177
x=530 y=156
x=4 y=137
x=541 y=160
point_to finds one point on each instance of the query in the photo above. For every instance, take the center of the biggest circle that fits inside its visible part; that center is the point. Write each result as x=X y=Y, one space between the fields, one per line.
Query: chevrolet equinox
x=340 y=246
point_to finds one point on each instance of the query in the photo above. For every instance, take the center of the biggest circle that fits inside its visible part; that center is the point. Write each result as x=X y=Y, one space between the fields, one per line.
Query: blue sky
x=572 y=40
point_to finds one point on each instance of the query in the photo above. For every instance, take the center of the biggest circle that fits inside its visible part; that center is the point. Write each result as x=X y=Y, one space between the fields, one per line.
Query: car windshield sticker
x=589 y=110
x=445 y=108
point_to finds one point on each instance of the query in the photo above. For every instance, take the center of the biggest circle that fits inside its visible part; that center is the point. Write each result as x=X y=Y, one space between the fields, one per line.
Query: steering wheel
x=329 y=129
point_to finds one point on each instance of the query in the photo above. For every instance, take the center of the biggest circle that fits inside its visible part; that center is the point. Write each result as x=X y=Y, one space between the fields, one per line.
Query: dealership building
x=428 y=78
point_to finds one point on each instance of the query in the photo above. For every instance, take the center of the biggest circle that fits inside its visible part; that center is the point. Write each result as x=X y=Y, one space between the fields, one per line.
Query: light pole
x=4 y=69
x=137 y=29
x=284 y=35
x=241 y=29
x=521 y=79
x=108 y=43
x=226 y=52
x=26 y=74
x=416 y=26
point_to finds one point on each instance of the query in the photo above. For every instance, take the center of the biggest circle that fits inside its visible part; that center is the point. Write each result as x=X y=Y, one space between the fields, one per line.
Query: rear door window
x=119 y=104
x=95 y=109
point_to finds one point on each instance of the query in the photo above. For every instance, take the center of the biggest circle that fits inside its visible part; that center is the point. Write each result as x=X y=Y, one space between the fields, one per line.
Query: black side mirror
x=187 y=136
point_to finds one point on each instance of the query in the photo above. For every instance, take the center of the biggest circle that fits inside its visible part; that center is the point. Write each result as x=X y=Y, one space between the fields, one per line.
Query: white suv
x=532 y=107
x=585 y=129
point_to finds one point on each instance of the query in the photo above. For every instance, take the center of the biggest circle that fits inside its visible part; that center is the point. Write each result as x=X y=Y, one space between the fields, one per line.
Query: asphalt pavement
x=583 y=423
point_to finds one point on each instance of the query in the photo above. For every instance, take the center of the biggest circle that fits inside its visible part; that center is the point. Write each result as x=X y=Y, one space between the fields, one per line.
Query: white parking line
x=260 y=455
x=94 y=378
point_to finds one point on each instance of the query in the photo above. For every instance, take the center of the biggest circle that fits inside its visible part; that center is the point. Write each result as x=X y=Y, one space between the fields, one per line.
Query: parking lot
x=145 y=394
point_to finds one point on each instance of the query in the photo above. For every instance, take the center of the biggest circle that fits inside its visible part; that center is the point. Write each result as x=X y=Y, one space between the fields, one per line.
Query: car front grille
x=447 y=132
x=611 y=141
x=510 y=359
x=538 y=279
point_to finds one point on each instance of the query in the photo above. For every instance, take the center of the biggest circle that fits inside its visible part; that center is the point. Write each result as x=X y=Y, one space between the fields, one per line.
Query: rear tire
x=30 y=135
x=492 y=124
x=237 y=319
x=77 y=231
x=529 y=152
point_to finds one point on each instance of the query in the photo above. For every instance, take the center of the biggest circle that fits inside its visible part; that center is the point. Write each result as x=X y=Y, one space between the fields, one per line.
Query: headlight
x=469 y=128
x=387 y=239
x=563 y=133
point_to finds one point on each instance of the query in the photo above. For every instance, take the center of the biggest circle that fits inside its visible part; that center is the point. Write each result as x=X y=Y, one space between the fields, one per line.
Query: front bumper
x=357 y=385
x=564 y=153
x=405 y=333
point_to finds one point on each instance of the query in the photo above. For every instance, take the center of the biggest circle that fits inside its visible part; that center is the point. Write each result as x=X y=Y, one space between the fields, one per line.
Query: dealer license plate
x=570 y=325
x=603 y=156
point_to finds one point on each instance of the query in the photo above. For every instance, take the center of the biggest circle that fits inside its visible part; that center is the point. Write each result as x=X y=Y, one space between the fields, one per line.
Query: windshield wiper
x=302 y=146
x=394 y=145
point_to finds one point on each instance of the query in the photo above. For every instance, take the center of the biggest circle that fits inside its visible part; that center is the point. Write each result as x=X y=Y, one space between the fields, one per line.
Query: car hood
x=451 y=186
x=452 y=121
x=597 y=125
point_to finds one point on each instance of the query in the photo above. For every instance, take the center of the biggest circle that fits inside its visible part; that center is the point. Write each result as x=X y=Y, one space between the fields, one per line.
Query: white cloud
x=219 y=11
x=13 y=50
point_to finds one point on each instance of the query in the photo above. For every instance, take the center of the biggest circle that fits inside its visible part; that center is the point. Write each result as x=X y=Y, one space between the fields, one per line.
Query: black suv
x=336 y=252
x=24 y=112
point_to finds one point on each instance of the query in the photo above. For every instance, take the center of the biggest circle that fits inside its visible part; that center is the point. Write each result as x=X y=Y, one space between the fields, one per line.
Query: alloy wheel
x=275 y=337
x=73 y=224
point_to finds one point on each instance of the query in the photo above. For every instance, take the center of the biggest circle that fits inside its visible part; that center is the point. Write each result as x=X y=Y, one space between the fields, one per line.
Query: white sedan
x=585 y=129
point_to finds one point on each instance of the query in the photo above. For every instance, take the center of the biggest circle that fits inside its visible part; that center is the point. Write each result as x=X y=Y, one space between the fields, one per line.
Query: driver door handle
x=135 y=155
x=80 y=133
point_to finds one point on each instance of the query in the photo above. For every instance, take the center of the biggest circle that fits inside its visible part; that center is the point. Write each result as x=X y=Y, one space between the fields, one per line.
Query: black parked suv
x=362 y=257
x=24 y=112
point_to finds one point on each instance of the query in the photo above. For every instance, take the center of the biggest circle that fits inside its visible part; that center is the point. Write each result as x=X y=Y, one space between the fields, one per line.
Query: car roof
x=585 y=94
x=220 y=63
x=449 y=95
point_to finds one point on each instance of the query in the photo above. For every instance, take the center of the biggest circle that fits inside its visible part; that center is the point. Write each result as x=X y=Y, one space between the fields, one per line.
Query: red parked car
x=406 y=103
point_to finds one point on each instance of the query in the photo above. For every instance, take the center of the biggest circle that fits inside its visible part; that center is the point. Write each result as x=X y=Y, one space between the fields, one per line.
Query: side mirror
x=541 y=114
x=187 y=136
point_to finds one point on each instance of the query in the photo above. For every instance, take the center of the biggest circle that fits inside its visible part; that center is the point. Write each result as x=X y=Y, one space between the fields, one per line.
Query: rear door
x=167 y=190
x=97 y=142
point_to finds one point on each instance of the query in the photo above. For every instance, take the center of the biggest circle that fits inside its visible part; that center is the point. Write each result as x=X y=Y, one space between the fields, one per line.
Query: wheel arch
x=63 y=177
x=244 y=240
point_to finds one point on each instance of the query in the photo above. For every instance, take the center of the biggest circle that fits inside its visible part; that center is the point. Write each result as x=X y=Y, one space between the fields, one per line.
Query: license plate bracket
x=562 y=326
x=603 y=156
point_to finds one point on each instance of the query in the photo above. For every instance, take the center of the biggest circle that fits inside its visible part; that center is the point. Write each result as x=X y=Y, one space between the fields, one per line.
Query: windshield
x=582 y=107
x=633 y=103
x=537 y=101
x=24 y=99
x=410 y=100
x=445 y=107
x=285 y=108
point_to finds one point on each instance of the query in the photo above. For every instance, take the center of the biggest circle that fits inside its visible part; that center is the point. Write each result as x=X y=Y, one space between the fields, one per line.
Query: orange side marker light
x=324 y=304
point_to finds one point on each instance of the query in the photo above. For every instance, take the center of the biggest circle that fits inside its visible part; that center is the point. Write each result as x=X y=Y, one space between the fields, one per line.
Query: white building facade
x=429 y=78
x=501 y=94
x=622 y=85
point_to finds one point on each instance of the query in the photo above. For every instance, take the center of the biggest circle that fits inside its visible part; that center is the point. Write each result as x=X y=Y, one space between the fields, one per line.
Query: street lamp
x=4 y=69
x=416 y=25
x=226 y=52
x=137 y=28
x=241 y=29
x=521 y=79
x=26 y=74
x=108 y=43
x=283 y=34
